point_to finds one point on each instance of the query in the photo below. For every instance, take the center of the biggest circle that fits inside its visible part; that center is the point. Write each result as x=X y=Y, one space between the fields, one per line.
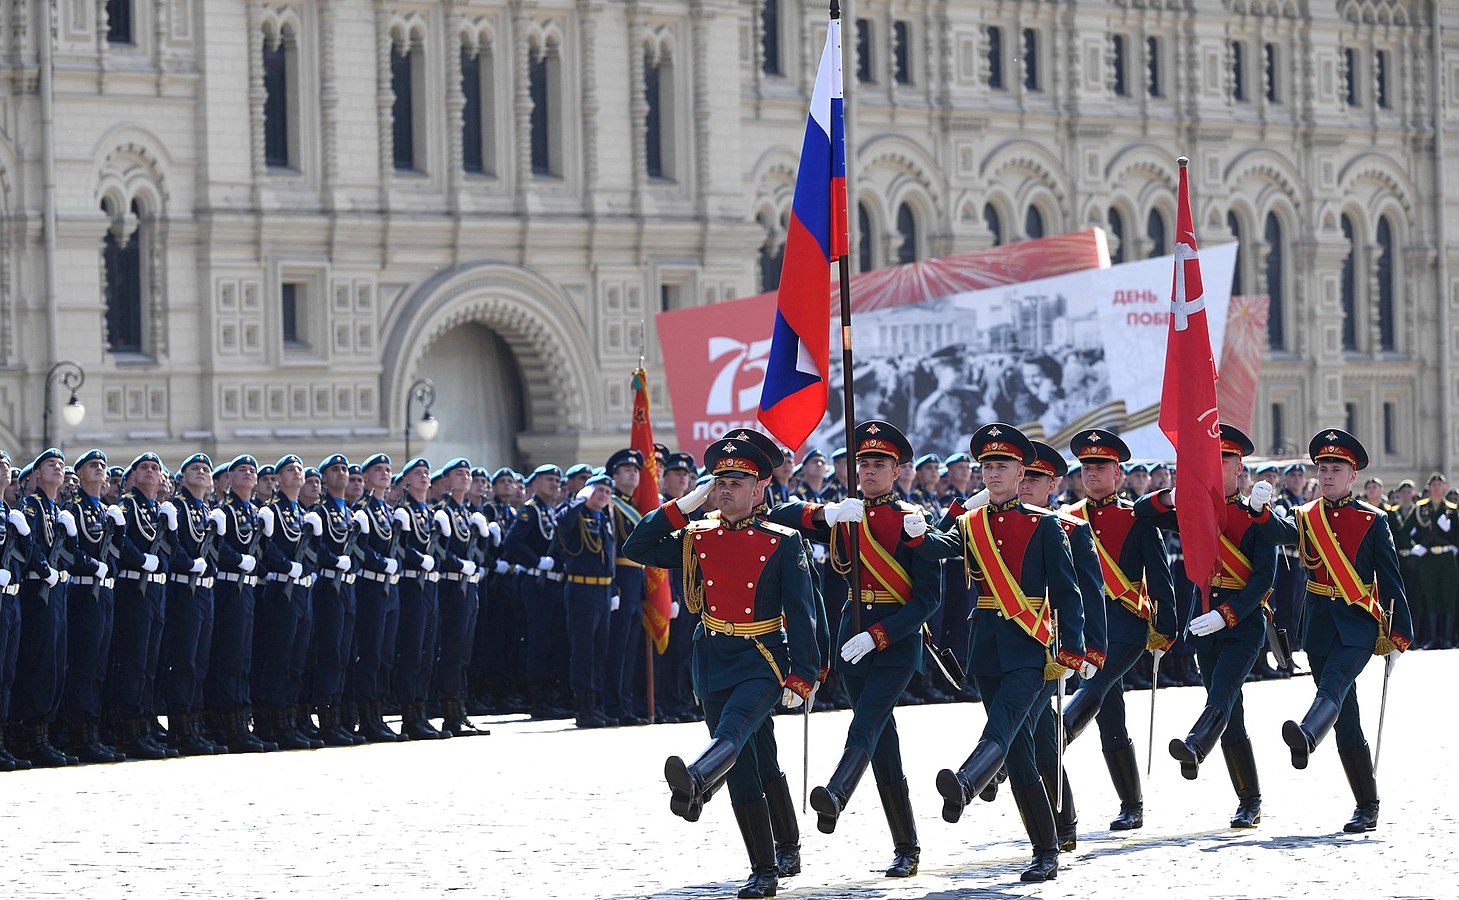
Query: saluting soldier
x=585 y=541
x=459 y=565
x=377 y=603
x=333 y=601
x=1140 y=613
x=415 y=649
x=1021 y=559
x=91 y=611
x=1356 y=609
x=1229 y=626
x=528 y=543
x=749 y=581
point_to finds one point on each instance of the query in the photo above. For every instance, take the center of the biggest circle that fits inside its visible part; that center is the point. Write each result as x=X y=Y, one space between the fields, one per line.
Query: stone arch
x=280 y=24
x=533 y=316
x=407 y=30
x=1027 y=173
x=131 y=171
x=892 y=164
x=478 y=35
x=1376 y=175
x=1273 y=174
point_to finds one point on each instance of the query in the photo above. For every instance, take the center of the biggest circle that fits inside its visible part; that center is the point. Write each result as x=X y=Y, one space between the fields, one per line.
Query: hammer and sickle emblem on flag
x=1213 y=428
x=1181 y=306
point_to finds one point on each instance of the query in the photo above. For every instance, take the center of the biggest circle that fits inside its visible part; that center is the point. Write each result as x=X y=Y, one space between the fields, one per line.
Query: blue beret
x=395 y=479
x=288 y=459
x=544 y=470
x=336 y=459
x=579 y=469
x=376 y=460
x=503 y=472
x=24 y=473
x=222 y=470
x=478 y=472
x=149 y=456
x=957 y=458
x=838 y=453
x=926 y=458
x=311 y=472
x=419 y=462
x=356 y=470
x=266 y=470
x=194 y=459
x=1295 y=467
x=459 y=462
x=49 y=453
x=812 y=454
x=115 y=472
x=599 y=479
x=435 y=476
x=88 y=456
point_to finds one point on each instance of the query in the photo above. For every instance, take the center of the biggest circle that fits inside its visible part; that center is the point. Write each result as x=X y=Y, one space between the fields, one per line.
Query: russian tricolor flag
x=793 y=399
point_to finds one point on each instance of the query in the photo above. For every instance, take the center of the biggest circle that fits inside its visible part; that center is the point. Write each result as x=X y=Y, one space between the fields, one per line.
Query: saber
x=1383 y=705
x=1059 y=725
x=1154 y=686
x=805 y=752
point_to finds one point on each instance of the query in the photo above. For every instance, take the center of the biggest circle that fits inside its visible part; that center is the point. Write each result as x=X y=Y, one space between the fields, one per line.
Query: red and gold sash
x=1234 y=564
x=882 y=565
x=977 y=533
x=1131 y=596
x=1314 y=517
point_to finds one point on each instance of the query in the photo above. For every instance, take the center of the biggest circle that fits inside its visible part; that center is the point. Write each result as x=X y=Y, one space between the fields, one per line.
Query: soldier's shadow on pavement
x=1214 y=840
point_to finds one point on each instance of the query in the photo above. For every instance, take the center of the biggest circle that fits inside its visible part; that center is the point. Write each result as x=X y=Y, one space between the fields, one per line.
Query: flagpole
x=648 y=638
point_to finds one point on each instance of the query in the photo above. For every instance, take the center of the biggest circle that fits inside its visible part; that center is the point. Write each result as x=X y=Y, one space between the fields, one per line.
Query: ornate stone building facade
x=256 y=222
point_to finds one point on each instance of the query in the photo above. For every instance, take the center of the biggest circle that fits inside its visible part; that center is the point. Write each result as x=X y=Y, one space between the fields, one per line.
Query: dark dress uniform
x=502 y=629
x=528 y=544
x=1356 y=609
x=625 y=624
x=187 y=637
x=1140 y=614
x=584 y=540
x=1021 y=559
x=377 y=612
x=1239 y=595
x=674 y=698
x=749 y=581
x=333 y=602
x=897 y=594
x=458 y=599
x=1432 y=526
x=1289 y=591
x=415 y=647
x=832 y=583
x=15 y=551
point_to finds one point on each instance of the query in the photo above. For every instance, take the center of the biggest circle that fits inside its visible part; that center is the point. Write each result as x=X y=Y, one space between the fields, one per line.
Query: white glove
x=614 y=603
x=402 y=517
x=247 y=564
x=1390 y=661
x=266 y=519
x=674 y=609
x=67 y=521
x=914 y=524
x=1261 y=495
x=790 y=699
x=219 y=520
x=102 y=570
x=1172 y=498
x=694 y=499
x=1087 y=670
x=18 y=522
x=168 y=512
x=296 y=570
x=849 y=510
x=1445 y=524
x=545 y=563
x=199 y=566
x=853 y=650
x=502 y=566
x=117 y=515
x=150 y=562
x=1068 y=673
x=819 y=553
x=586 y=492
x=427 y=563
x=315 y=522
x=52 y=576
x=391 y=567
x=495 y=530
x=468 y=568
x=978 y=500
x=5 y=578
x=361 y=519
x=342 y=563
x=1418 y=550
x=1209 y=623
x=442 y=520
x=478 y=521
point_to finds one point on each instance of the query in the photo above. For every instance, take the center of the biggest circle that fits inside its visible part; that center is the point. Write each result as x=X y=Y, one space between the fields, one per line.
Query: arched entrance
x=479 y=400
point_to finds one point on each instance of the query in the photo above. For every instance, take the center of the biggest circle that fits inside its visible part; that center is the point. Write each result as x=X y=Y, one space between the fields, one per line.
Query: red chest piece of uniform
x=884 y=521
x=1350 y=524
x=732 y=562
x=1012 y=531
x=1237 y=523
x=1111 y=526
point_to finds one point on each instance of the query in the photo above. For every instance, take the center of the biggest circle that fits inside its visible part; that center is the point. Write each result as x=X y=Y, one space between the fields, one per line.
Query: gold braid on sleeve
x=693 y=580
x=1311 y=561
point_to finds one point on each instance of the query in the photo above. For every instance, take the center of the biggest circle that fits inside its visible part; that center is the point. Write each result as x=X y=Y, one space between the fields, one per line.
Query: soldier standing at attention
x=528 y=543
x=415 y=650
x=1434 y=541
x=585 y=541
x=749 y=582
x=1356 y=609
x=625 y=622
x=377 y=603
x=458 y=598
x=334 y=603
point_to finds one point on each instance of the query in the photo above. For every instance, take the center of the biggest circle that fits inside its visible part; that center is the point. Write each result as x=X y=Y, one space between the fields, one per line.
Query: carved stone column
x=328 y=102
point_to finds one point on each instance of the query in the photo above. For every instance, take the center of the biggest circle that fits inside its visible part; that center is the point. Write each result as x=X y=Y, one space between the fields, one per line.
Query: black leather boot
x=828 y=801
x=958 y=788
x=754 y=821
x=691 y=785
x=414 y=725
x=372 y=725
x=137 y=743
x=1241 y=763
x=1199 y=743
x=990 y=793
x=1303 y=739
x=1081 y=709
x=1066 y=819
x=330 y=731
x=38 y=748
x=896 y=802
x=783 y=825
x=1038 y=820
x=1359 y=768
x=96 y=751
x=8 y=761
x=588 y=715
x=1124 y=771
x=239 y=739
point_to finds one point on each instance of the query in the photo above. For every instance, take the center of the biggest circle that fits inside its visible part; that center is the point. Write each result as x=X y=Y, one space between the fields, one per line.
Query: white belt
x=9 y=590
x=31 y=576
x=379 y=576
x=280 y=576
x=193 y=580
x=551 y=576
x=238 y=577
x=1444 y=548
x=416 y=573
x=337 y=575
x=90 y=579
x=154 y=577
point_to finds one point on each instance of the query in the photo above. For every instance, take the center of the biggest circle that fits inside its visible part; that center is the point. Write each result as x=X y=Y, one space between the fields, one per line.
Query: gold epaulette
x=1059 y=514
x=776 y=528
x=904 y=506
x=702 y=525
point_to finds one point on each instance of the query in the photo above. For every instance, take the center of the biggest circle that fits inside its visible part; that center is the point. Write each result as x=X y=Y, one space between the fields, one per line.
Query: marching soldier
x=459 y=565
x=1140 y=614
x=625 y=623
x=528 y=543
x=1289 y=594
x=377 y=603
x=226 y=693
x=674 y=696
x=749 y=581
x=415 y=649
x=585 y=540
x=333 y=602
x=91 y=610
x=1434 y=540
x=1356 y=609
x=1229 y=627
x=1021 y=560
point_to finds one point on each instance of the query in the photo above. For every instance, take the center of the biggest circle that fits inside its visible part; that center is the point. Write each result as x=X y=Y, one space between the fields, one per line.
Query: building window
x=994 y=224
x=1030 y=59
x=1349 y=289
x=1387 y=338
x=405 y=81
x=1380 y=78
x=1350 y=75
x=1390 y=429
x=291 y=314
x=122 y=261
x=280 y=57
x=1269 y=67
x=772 y=254
x=658 y=90
x=902 y=52
x=995 y=58
x=770 y=37
x=544 y=77
x=119 y=22
x=907 y=228
x=1350 y=415
x=863 y=52
x=864 y=239
x=1278 y=431
x=1033 y=223
x=1275 y=284
x=1117 y=60
x=1152 y=67
x=1238 y=281
x=1155 y=230
x=1117 y=230
x=478 y=120
x=1238 y=71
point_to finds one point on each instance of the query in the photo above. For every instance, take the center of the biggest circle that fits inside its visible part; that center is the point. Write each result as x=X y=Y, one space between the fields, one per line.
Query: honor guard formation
x=271 y=607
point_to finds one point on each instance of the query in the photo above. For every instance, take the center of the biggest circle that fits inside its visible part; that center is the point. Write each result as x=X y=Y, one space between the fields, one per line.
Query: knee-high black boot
x=829 y=801
x=1066 y=819
x=784 y=826
x=1303 y=739
x=691 y=785
x=1038 y=819
x=1241 y=763
x=1199 y=743
x=896 y=802
x=1359 y=768
x=754 y=821
x=1124 y=771
x=958 y=788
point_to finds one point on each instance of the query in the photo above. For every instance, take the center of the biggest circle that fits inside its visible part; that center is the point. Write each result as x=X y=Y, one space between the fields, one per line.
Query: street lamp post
x=424 y=393
x=71 y=376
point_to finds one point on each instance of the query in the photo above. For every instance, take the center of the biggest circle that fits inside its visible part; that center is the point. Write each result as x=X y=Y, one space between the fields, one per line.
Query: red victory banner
x=645 y=500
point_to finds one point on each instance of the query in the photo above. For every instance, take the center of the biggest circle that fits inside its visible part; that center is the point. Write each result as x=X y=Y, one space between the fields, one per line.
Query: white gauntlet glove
x=67 y=521
x=442 y=520
x=1445 y=524
x=391 y=567
x=586 y=492
x=694 y=499
x=1418 y=550
x=247 y=564
x=102 y=570
x=52 y=576
x=495 y=530
x=342 y=563
x=219 y=520
x=401 y=517
x=169 y=514
x=978 y=500
x=468 y=568
x=361 y=519
x=478 y=521
x=117 y=515
x=614 y=603
x=5 y=577
x=853 y=650
x=1208 y=623
x=427 y=563
x=1087 y=670
x=1261 y=495
x=18 y=522
x=266 y=521
x=150 y=562
x=545 y=563
x=790 y=699
x=674 y=609
x=503 y=567
x=914 y=524
x=849 y=510
x=199 y=566
x=296 y=570
x=315 y=522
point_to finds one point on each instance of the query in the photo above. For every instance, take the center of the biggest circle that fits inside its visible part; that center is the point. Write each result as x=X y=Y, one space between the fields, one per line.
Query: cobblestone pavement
x=540 y=810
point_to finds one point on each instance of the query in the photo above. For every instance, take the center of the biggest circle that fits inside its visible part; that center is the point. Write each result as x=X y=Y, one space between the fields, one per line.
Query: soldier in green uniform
x=1433 y=541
